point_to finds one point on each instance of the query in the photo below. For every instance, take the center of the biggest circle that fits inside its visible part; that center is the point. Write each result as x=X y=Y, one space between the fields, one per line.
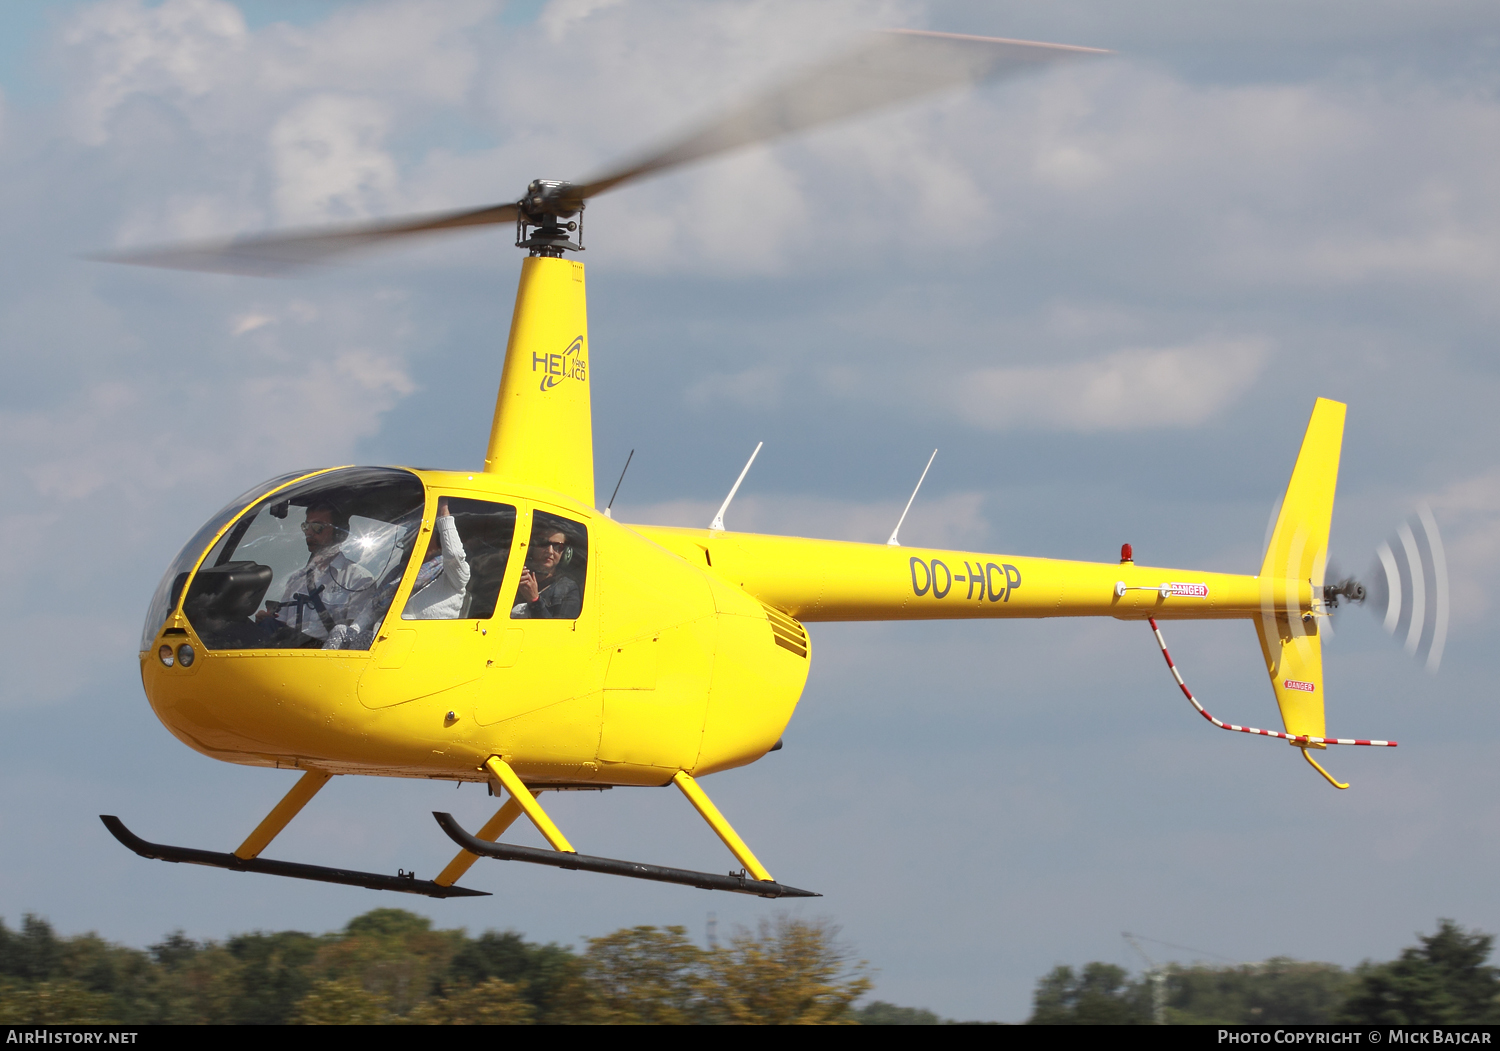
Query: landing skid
x=406 y=884
x=740 y=884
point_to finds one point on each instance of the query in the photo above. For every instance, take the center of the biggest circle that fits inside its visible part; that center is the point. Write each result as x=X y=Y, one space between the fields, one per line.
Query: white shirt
x=348 y=591
x=439 y=591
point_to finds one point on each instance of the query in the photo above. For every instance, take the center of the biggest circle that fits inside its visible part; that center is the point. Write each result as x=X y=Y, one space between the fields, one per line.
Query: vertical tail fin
x=1291 y=577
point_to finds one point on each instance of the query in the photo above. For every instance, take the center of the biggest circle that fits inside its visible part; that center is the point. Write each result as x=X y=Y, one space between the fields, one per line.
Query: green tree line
x=391 y=967
x=1444 y=979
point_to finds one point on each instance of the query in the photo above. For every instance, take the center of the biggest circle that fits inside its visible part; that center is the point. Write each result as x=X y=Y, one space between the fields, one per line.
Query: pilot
x=438 y=593
x=330 y=597
x=545 y=592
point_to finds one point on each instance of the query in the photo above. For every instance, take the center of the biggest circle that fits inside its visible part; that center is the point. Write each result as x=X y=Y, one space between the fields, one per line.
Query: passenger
x=438 y=593
x=546 y=593
x=330 y=598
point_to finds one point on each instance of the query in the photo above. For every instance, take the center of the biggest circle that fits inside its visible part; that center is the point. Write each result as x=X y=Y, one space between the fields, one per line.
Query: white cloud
x=180 y=48
x=244 y=323
x=757 y=388
x=329 y=162
x=1129 y=390
x=561 y=15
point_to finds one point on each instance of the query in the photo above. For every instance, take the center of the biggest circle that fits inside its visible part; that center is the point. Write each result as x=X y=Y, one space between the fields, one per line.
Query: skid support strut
x=754 y=879
x=502 y=772
x=722 y=828
x=290 y=806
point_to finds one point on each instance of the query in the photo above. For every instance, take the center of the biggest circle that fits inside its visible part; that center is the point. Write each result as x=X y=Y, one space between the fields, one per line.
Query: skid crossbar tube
x=296 y=870
x=611 y=867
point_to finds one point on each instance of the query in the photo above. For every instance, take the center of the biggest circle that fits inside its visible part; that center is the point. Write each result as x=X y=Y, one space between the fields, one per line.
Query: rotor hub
x=544 y=220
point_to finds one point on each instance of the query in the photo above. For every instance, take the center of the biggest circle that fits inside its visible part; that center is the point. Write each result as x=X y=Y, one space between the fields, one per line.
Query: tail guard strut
x=1302 y=741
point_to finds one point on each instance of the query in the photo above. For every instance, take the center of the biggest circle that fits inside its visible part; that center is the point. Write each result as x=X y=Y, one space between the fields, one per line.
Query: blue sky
x=1248 y=207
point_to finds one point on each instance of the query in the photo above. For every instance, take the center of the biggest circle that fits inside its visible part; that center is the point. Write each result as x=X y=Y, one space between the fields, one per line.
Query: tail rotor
x=1409 y=587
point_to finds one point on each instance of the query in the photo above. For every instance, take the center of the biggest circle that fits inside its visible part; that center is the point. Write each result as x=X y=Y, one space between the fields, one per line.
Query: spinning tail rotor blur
x=1406 y=588
x=1409 y=587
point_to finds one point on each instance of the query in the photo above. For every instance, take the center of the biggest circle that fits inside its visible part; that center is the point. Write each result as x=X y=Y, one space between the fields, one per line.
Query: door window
x=464 y=562
x=556 y=569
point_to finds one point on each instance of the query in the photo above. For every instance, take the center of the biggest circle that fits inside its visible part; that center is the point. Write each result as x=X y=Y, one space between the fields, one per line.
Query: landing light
x=165 y=653
x=185 y=655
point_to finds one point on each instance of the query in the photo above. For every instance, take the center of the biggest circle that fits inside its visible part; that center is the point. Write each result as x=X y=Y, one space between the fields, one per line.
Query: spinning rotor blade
x=266 y=255
x=889 y=67
x=1410 y=587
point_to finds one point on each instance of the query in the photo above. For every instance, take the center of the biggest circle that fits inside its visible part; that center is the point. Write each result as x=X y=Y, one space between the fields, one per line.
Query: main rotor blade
x=889 y=67
x=269 y=255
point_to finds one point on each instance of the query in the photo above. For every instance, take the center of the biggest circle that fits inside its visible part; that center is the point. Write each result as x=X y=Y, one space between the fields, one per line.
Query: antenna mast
x=718 y=522
x=893 y=542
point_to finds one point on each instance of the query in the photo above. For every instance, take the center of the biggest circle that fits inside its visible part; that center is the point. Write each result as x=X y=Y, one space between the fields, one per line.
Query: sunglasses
x=316 y=527
x=543 y=545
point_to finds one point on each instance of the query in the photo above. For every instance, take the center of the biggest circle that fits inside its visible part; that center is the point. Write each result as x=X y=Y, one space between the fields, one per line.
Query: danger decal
x=1188 y=590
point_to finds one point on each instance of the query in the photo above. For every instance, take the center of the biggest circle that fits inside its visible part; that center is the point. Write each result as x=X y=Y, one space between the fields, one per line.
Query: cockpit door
x=439 y=644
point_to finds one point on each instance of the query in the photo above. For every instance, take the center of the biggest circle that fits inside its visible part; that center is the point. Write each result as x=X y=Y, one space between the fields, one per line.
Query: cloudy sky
x=1108 y=294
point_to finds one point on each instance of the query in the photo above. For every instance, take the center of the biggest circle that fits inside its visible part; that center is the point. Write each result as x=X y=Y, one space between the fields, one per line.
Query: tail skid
x=1302 y=741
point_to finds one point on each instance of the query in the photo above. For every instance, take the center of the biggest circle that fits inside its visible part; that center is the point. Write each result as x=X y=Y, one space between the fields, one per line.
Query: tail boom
x=831 y=580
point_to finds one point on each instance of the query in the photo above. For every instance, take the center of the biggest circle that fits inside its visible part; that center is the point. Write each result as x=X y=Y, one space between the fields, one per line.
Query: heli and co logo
x=1298 y=684
x=571 y=364
x=1188 y=590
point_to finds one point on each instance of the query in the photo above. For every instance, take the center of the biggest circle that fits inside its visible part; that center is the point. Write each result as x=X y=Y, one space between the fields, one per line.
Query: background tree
x=789 y=972
x=273 y=975
x=879 y=1012
x=1280 y=991
x=344 y=1001
x=1443 y=980
x=646 y=975
x=491 y=1002
x=548 y=977
x=1101 y=995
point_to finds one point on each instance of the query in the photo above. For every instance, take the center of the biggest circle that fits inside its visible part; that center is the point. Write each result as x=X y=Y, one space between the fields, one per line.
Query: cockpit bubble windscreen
x=314 y=566
x=164 y=601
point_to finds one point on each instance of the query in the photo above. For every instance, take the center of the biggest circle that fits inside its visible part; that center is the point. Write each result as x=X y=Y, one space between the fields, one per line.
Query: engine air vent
x=788 y=633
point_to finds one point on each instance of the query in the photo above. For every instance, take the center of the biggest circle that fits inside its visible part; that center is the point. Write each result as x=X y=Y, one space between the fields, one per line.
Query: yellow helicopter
x=497 y=627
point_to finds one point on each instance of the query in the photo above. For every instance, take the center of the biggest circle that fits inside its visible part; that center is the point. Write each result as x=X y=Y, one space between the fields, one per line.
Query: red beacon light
x=1126 y=555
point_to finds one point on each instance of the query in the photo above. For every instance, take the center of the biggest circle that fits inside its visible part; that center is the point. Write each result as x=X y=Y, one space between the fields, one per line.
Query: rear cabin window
x=464 y=562
x=552 y=581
